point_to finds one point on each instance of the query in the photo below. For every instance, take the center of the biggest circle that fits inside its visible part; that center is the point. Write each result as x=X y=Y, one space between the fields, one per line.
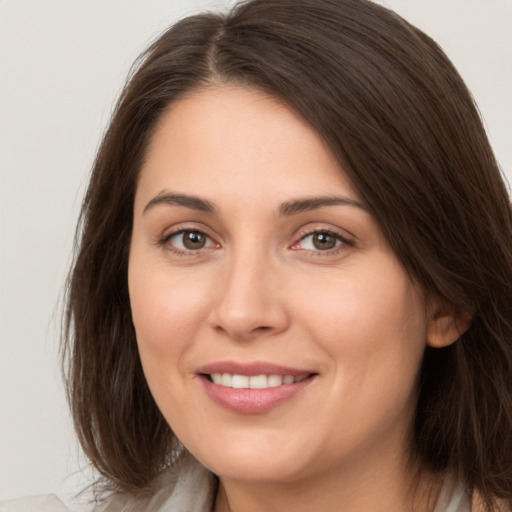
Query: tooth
x=258 y=382
x=254 y=382
x=274 y=381
x=240 y=381
x=226 y=380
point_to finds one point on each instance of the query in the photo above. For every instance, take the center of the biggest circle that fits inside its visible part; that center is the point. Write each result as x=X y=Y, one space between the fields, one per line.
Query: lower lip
x=253 y=401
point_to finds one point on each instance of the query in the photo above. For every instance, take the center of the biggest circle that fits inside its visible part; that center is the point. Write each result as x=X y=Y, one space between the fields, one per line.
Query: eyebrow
x=313 y=203
x=192 y=202
x=287 y=209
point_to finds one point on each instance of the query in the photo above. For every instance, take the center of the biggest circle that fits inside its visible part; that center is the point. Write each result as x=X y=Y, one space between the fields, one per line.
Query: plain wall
x=62 y=63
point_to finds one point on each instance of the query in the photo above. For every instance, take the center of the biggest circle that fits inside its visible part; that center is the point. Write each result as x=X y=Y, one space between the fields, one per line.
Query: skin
x=260 y=290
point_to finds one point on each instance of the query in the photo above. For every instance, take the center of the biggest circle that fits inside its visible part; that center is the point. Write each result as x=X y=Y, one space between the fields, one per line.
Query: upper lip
x=251 y=369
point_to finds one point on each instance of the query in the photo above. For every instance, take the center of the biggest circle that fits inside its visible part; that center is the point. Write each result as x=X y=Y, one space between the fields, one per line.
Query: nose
x=249 y=301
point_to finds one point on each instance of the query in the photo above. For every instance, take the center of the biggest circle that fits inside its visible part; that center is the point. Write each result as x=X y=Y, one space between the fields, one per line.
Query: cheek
x=376 y=306
x=372 y=325
x=167 y=310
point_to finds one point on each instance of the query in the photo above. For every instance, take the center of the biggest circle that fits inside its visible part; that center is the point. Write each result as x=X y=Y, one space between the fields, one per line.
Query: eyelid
x=306 y=232
x=164 y=239
x=346 y=239
x=183 y=231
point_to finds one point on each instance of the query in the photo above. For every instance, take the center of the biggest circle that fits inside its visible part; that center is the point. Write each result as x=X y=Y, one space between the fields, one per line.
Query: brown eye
x=189 y=240
x=324 y=241
x=194 y=240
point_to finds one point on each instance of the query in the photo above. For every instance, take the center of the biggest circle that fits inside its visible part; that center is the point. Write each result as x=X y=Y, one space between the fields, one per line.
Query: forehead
x=227 y=140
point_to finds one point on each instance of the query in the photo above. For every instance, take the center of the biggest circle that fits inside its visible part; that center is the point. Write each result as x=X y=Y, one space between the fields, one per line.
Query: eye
x=189 y=240
x=321 y=241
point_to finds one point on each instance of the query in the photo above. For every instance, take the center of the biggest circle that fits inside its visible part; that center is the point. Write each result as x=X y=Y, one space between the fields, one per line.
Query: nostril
x=240 y=332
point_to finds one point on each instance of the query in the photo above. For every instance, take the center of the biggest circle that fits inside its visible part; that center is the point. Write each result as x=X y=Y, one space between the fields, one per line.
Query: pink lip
x=252 y=401
x=251 y=369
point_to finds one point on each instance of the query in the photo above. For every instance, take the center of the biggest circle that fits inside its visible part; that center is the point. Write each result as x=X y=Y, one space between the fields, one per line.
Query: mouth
x=261 y=381
x=253 y=388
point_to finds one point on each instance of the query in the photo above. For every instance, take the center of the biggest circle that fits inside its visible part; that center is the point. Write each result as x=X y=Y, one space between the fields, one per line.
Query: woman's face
x=279 y=333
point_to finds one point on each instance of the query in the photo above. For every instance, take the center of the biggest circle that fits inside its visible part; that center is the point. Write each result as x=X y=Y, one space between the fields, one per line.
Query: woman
x=292 y=289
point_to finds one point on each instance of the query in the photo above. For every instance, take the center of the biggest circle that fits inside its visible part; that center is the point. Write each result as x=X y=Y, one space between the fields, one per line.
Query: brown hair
x=405 y=129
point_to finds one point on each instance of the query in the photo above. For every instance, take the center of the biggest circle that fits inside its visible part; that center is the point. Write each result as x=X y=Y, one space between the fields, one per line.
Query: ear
x=446 y=325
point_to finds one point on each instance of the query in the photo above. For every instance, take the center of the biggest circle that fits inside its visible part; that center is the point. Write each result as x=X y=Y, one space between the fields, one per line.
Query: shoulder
x=186 y=486
x=46 y=503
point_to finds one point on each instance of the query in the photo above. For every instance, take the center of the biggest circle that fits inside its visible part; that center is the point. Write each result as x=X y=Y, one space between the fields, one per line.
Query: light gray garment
x=453 y=497
x=188 y=487
x=191 y=488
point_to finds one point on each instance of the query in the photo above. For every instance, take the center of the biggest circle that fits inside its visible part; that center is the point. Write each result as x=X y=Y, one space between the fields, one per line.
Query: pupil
x=194 y=240
x=324 y=241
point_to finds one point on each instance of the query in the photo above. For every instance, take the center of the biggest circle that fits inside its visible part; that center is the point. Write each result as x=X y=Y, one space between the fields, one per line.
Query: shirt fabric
x=189 y=487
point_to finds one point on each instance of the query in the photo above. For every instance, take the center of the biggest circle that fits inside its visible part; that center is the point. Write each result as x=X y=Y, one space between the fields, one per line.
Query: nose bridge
x=248 y=299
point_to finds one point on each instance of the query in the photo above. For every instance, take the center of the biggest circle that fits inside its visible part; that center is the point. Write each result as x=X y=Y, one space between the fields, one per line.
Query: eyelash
x=344 y=242
x=165 y=241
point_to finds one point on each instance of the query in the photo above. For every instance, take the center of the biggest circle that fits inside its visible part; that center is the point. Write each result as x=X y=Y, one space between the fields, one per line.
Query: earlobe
x=446 y=326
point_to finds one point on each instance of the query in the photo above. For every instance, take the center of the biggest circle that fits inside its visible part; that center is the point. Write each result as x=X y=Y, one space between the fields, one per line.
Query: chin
x=268 y=471
x=258 y=461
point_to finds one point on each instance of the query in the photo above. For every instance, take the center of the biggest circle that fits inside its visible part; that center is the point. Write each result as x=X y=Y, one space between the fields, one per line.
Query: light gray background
x=62 y=63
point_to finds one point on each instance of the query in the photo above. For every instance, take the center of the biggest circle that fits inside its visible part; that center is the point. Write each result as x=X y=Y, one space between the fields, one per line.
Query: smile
x=255 y=381
x=253 y=388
